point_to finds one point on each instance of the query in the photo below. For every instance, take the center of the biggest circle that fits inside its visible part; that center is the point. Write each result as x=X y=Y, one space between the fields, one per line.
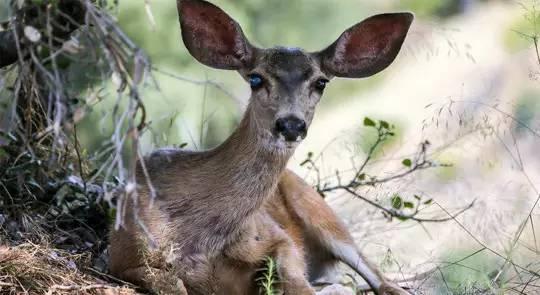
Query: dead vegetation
x=38 y=269
x=55 y=201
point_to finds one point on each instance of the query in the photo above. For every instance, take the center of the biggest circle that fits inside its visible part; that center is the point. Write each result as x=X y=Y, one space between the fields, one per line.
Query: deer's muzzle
x=291 y=128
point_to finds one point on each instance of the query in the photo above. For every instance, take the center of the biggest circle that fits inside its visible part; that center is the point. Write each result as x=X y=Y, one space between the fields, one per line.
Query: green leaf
x=384 y=124
x=397 y=202
x=362 y=176
x=407 y=162
x=417 y=197
x=402 y=218
x=408 y=205
x=369 y=122
x=3 y=153
x=428 y=202
x=310 y=155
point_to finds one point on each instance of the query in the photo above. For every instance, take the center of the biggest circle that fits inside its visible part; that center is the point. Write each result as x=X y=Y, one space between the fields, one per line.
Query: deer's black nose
x=292 y=128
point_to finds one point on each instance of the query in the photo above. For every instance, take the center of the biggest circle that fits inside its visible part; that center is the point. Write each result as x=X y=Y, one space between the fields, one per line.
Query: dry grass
x=51 y=194
x=38 y=269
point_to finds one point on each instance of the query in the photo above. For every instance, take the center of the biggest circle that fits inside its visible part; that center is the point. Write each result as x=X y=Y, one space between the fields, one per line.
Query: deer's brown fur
x=219 y=213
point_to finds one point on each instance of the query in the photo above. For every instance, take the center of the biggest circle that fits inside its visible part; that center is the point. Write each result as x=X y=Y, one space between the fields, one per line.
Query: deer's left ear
x=368 y=47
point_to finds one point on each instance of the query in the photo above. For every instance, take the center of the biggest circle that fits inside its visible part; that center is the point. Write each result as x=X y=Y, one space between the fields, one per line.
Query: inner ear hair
x=213 y=37
x=367 y=47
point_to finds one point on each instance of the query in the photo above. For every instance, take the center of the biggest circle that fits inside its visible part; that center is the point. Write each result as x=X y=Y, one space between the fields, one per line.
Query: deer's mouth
x=290 y=141
x=279 y=142
x=286 y=143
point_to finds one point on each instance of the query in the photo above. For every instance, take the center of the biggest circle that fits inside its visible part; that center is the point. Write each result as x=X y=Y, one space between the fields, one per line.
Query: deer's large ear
x=368 y=47
x=213 y=37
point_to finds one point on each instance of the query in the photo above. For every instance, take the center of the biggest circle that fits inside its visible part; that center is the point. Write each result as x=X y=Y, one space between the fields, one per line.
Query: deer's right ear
x=213 y=37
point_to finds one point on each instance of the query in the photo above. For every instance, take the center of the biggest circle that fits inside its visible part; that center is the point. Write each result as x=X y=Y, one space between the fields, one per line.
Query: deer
x=210 y=218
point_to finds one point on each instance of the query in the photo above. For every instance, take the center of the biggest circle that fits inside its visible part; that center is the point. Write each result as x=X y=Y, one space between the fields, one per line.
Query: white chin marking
x=278 y=142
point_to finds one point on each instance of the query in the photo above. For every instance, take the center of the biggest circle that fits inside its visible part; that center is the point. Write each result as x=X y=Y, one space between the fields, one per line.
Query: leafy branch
x=400 y=208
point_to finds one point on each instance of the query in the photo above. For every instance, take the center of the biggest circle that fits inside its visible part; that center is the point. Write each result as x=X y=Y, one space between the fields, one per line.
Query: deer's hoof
x=335 y=289
x=389 y=288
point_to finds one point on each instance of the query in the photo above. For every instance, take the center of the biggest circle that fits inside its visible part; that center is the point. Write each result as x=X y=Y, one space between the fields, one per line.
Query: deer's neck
x=249 y=168
x=233 y=181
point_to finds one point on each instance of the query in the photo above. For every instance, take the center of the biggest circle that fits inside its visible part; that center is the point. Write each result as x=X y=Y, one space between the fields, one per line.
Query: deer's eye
x=255 y=81
x=321 y=84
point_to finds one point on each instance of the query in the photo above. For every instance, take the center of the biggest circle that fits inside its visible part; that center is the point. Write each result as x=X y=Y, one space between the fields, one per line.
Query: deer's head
x=287 y=83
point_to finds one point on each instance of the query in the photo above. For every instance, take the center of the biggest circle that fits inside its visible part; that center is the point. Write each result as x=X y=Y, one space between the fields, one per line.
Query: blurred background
x=466 y=81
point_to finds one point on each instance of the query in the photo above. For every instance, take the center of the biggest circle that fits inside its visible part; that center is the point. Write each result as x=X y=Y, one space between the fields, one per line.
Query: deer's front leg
x=389 y=288
x=292 y=268
x=290 y=260
x=262 y=238
x=155 y=280
x=335 y=289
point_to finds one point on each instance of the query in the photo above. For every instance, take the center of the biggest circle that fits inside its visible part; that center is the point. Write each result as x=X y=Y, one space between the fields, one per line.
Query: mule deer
x=220 y=212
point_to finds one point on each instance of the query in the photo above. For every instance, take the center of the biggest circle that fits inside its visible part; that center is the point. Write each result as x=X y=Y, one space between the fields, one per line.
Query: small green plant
x=268 y=277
